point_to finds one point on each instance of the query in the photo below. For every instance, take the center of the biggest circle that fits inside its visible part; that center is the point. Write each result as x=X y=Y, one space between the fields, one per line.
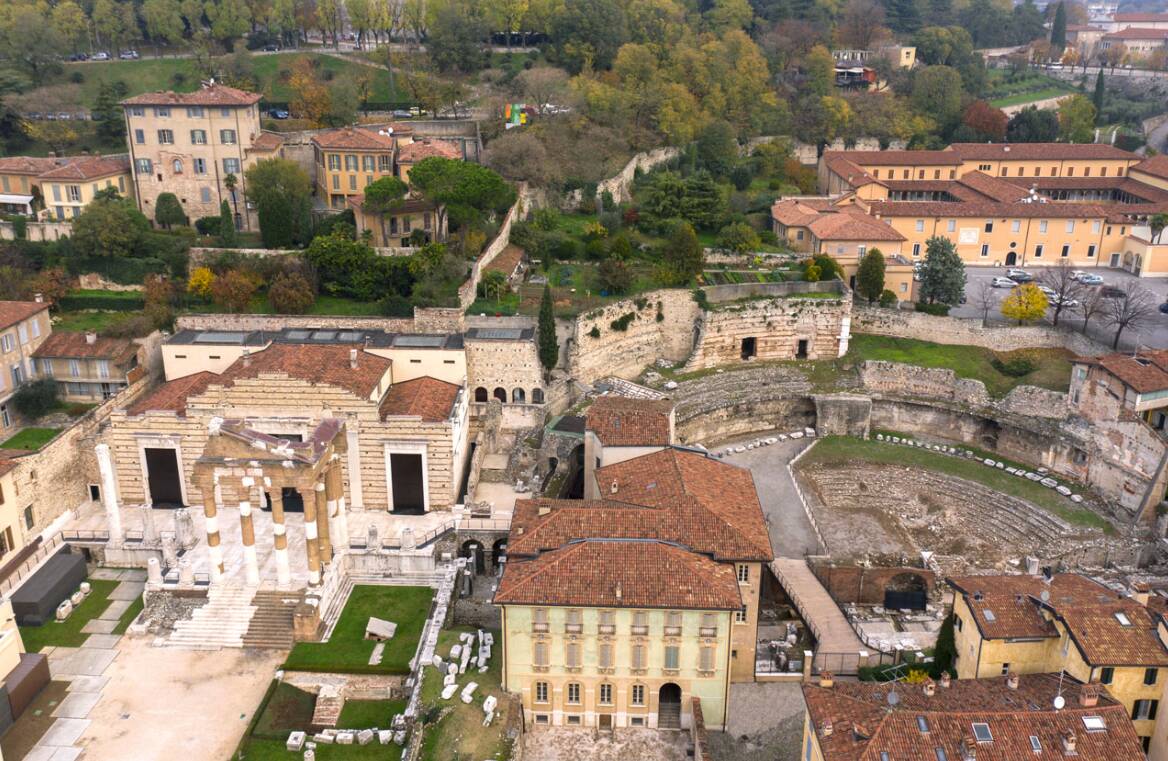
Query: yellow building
x=350 y=158
x=1022 y=624
x=87 y=367
x=23 y=326
x=20 y=191
x=189 y=143
x=955 y=720
x=68 y=188
x=617 y=612
x=394 y=229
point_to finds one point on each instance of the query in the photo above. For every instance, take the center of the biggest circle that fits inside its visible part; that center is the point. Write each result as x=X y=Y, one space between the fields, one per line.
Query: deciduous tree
x=1066 y=287
x=281 y=192
x=1024 y=303
x=110 y=226
x=1134 y=309
x=234 y=290
x=168 y=211
x=1076 y=117
x=291 y=293
x=986 y=120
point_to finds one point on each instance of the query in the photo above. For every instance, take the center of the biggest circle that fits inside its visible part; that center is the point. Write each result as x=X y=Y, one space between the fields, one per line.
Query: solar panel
x=220 y=338
x=431 y=342
x=506 y=334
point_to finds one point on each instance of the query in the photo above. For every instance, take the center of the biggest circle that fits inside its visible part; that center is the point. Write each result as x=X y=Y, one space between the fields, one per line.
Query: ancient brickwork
x=645 y=339
x=786 y=327
x=748 y=400
x=851 y=584
x=493 y=363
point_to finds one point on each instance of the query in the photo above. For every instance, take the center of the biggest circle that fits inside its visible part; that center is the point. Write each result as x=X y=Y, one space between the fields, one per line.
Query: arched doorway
x=537 y=396
x=519 y=396
x=1011 y=259
x=498 y=554
x=669 y=706
x=473 y=549
x=481 y=394
x=501 y=394
x=906 y=591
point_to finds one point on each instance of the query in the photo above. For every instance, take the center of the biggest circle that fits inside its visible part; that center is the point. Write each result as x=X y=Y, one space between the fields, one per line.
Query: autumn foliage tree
x=233 y=290
x=1024 y=303
x=311 y=99
x=291 y=293
x=986 y=120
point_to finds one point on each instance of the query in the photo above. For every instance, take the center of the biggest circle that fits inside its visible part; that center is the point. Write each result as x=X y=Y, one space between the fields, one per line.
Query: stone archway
x=498 y=554
x=669 y=706
x=474 y=551
x=501 y=394
x=481 y=394
x=537 y=396
x=519 y=396
x=907 y=591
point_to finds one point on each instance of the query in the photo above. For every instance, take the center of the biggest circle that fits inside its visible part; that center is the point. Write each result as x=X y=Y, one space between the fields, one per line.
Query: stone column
x=211 y=513
x=335 y=495
x=280 y=538
x=247 y=531
x=322 y=523
x=310 y=545
x=353 y=454
x=109 y=493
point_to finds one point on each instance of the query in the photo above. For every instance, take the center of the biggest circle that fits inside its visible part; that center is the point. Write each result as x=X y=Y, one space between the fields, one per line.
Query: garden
x=1006 y=88
x=68 y=633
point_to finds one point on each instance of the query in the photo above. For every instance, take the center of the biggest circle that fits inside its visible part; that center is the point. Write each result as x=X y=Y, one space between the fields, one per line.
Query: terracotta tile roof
x=68 y=344
x=1144 y=372
x=207 y=95
x=32 y=165
x=12 y=312
x=1156 y=166
x=88 y=168
x=1140 y=18
x=1044 y=151
x=267 y=141
x=1136 y=33
x=1010 y=601
x=414 y=152
x=620 y=421
x=614 y=573
x=851 y=226
x=794 y=213
x=864 y=724
x=898 y=158
x=851 y=173
x=326 y=364
x=989 y=209
x=428 y=398
x=354 y=139
x=1105 y=640
x=993 y=188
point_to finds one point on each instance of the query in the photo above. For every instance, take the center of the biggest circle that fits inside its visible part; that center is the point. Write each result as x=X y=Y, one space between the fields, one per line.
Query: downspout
x=503 y=636
x=726 y=678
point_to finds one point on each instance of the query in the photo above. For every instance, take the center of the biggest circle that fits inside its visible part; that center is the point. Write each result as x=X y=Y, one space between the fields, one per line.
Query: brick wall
x=865 y=586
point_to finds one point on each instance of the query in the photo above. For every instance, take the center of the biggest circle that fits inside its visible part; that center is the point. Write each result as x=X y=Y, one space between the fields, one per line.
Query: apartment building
x=24 y=325
x=400 y=226
x=1113 y=386
x=190 y=143
x=1014 y=717
x=350 y=158
x=1138 y=42
x=68 y=188
x=88 y=368
x=1028 y=624
x=618 y=611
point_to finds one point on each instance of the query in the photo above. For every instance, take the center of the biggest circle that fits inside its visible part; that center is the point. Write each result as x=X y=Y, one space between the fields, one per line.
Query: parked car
x=401 y=113
x=1050 y=292
x=1064 y=303
x=1019 y=276
x=1164 y=308
x=79 y=57
x=1077 y=274
x=271 y=48
x=1089 y=279
x=64 y=116
x=101 y=55
x=1111 y=292
x=128 y=55
x=1003 y=282
x=278 y=113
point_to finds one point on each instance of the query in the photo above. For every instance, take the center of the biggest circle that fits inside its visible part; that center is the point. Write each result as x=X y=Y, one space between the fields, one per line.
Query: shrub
x=396 y=305
x=127 y=301
x=20 y=227
x=130 y=326
x=887 y=298
x=622 y=323
x=1015 y=367
x=937 y=308
x=291 y=293
x=811 y=272
x=595 y=332
x=233 y=290
x=699 y=296
x=207 y=225
x=36 y=398
x=200 y=282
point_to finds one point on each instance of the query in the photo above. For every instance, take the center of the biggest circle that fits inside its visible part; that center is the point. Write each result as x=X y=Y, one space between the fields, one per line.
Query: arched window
x=537 y=396
x=518 y=396
x=177 y=166
x=501 y=394
x=481 y=394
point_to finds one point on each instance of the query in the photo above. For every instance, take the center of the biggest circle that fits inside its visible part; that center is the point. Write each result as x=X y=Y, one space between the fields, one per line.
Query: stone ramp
x=837 y=645
x=222 y=622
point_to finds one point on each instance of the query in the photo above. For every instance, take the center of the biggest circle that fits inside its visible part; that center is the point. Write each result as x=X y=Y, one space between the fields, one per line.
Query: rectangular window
x=1103 y=172
x=640 y=622
x=1095 y=226
x=539 y=620
x=572 y=655
x=1042 y=226
x=1005 y=669
x=17 y=375
x=1066 y=250
x=198 y=137
x=1091 y=251
x=384 y=164
x=231 y=166
x=743 y=573
x=916 y=249
x=606 y=694
x=638 y=656
x=1015 y=225
x=140 y=136
x=205 y=194
x=22 y=333
x=574 y=693
x=540 y=654
x=165 y=137
x=672 y=655
x=1037 y=171
x=1070 y=225
x=706 y=659
x=225 y=112
x=75 y=368
x=740 y=615
x=6 y=342
x=195 y=112
x=227 y=136
x=1145 y=710
x=73 y=193
x=103 y=369
x=352 y=182
x=56 y=192
x=920 y=225
x=606 y=620
x=1151 y=675
x=334 y=161
x=200 y=166
x=951 y=226
x=351 y=164
x=137 y=111
x=369 y=163
x=541 y=692
x=336 y=182
x=673 y=623
x=162 y=112
x=638 y=695
x=47 y=368
x=989 y=226
x=1038 y=251
x=985 y=249
x=604 y=655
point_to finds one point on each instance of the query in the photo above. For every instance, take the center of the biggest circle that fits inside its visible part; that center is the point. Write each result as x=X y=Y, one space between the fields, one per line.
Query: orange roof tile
x=620 y=421
x=428 y=398
x=355 y=139
x=67 y=344
x=172 y=395
x=12 y=312
x=1007 y=598
x=850 y=226
x=1144 y=372
x=31 y=165
x=88 y=168
x=207 y=95
x=989 y=209
x=1157 y=166
x=414 y=152
x=267 y=141
x=1032 y=151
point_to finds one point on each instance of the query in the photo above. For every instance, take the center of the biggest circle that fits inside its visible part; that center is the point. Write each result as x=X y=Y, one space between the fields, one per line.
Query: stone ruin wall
x=626 y=353
x=857 y=584
x=425 y=320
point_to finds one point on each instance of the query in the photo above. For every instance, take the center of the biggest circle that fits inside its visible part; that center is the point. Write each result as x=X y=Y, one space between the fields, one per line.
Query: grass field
x=1028 y=97
x=68 y=633
x=1053 y=367
x=348 y=651
x=31 y=438
x=832 y=450
x=460 y=733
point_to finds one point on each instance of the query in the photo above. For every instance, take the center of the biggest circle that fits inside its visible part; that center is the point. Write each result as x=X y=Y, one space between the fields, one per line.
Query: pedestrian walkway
x=837 y=647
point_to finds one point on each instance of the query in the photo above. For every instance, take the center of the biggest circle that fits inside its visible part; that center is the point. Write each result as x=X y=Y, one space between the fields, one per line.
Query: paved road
x=791 y=532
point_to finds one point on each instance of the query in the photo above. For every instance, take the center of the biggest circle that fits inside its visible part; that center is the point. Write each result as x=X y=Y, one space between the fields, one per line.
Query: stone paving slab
x=128 y=590
x=76 y=705
x=106 y=574
x=103 y=641
x=115 y=610
x=41 y=753
x=99 y=626
x=88 y=684
x=85 y=662
x=134 y=574
x=66 y=754
x=64 y=732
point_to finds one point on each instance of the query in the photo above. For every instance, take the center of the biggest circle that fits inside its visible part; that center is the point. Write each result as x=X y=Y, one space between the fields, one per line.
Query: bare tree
x=1066 y=287
x=985 y=297
x=1092 y=304
x=1134 y=309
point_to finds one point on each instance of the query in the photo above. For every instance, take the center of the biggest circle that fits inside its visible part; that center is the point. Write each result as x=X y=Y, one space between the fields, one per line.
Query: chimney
x=246 y=357
x=1140 y=593
x=930 y=687
x=1012 y=680
x=90 y=338
x=544 y=510
x=825 y=679
x=612 y=489
x=1089 y=696
x=38 y=298
x=945 y=680
x=825 y=728
x=968 y=749
x=1069 y=741
x=617 y=591
x=353 y=359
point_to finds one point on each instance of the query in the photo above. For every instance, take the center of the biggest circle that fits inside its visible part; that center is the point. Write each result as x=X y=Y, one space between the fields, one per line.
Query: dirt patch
x=34 y=722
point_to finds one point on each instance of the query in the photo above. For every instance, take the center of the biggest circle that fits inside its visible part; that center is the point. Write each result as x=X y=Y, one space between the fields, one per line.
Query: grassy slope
x=31 y=438
x=460 y=733
x=832 y=450
x=68 y=632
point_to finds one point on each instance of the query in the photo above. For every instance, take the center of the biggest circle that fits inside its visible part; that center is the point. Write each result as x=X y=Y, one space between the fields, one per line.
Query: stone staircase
x=271 y=625
x=222 y=622
x=327 y=711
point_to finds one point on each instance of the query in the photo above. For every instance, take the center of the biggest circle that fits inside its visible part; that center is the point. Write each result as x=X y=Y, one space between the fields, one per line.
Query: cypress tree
x=1058 y=30
x=1097 y=98
x=226 y=226
x=549 y=347
x=870 y=275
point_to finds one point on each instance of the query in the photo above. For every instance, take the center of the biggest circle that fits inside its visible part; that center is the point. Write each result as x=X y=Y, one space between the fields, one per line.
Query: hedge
x=124 y=271
x=115 y=302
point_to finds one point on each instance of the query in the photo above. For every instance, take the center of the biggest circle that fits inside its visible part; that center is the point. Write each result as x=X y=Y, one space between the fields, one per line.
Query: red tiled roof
x=12 y=312
x=68 y=344
x=1105 y=641
x=172 y=395
x=1136 y=33
x=267 y=141
x=507 y=260
x=849 y=171
x=208 y=95
x=614 y=573
x=406 y=206
x=1144 y=372
x=428 y=398
x=865 y=724
x=32 y=165
x=1043 y=151
x=620 y=421
x=88 y=168
x=354 y=139
x=898 y=158
x=852 y=226
x=1156 y=166
x=989 y=209
x=414 y=152
x=993 y=188
x=795 y=212
x=1008 y=600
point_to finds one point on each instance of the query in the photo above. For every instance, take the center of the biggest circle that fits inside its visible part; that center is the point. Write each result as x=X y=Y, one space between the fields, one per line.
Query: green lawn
x=832 y=450
x=128 y=617
x=86 y=321
x=348 y=651
x=365 y=714
x=1053 y=369
x=31 y=438
x=460 y=733
x=1027 y=97
x=68 y=633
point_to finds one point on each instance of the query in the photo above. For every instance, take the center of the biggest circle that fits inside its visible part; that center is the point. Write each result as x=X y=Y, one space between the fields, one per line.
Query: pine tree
x=226 y=226
x=870 y=275
x=549 y=347
x=1097 y=98
x=1058 y=30
x=943 y=273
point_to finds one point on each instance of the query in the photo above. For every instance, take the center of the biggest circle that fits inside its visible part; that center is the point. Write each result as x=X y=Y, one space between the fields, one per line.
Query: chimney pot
x=946 y=679
x=1069 y=741
x=825 y=679
x=1012 y=680
x=1089 y=696
x=612 y=489
x=617 y=591
x=968 y=749
x=930 y=687
x=38 y=298
x=353 y=358
x=91 y=338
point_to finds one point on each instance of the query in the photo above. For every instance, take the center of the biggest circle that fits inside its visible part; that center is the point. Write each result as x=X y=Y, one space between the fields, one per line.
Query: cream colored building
x=87 y=367
x=24 y=325
x=394 y=229
x=68 y=189
x=617 y=428
x=190 y=143
x=350 y=158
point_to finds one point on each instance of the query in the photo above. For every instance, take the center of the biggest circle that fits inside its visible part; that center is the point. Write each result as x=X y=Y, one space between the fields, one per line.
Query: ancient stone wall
x=954 y=330
x=425 y=320
x=509 y=365
x=852 y=584
x=621 y=184
x=842 y=414
x=919 y=382
x=645 y=339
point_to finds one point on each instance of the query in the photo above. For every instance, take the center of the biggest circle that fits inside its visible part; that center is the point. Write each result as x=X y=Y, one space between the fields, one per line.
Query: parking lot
x=1153 y=335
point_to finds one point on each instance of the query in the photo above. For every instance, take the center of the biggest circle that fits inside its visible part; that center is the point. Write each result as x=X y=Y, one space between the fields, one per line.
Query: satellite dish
x=1059 y=702
x=1045 y=595
x=893 y=698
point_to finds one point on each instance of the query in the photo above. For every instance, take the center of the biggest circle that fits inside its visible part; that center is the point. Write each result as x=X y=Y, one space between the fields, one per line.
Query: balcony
x=573 y=628
x=537 y=628
x=708 y=631
x=672 y=631
x=606 y=629
x=640 y=631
